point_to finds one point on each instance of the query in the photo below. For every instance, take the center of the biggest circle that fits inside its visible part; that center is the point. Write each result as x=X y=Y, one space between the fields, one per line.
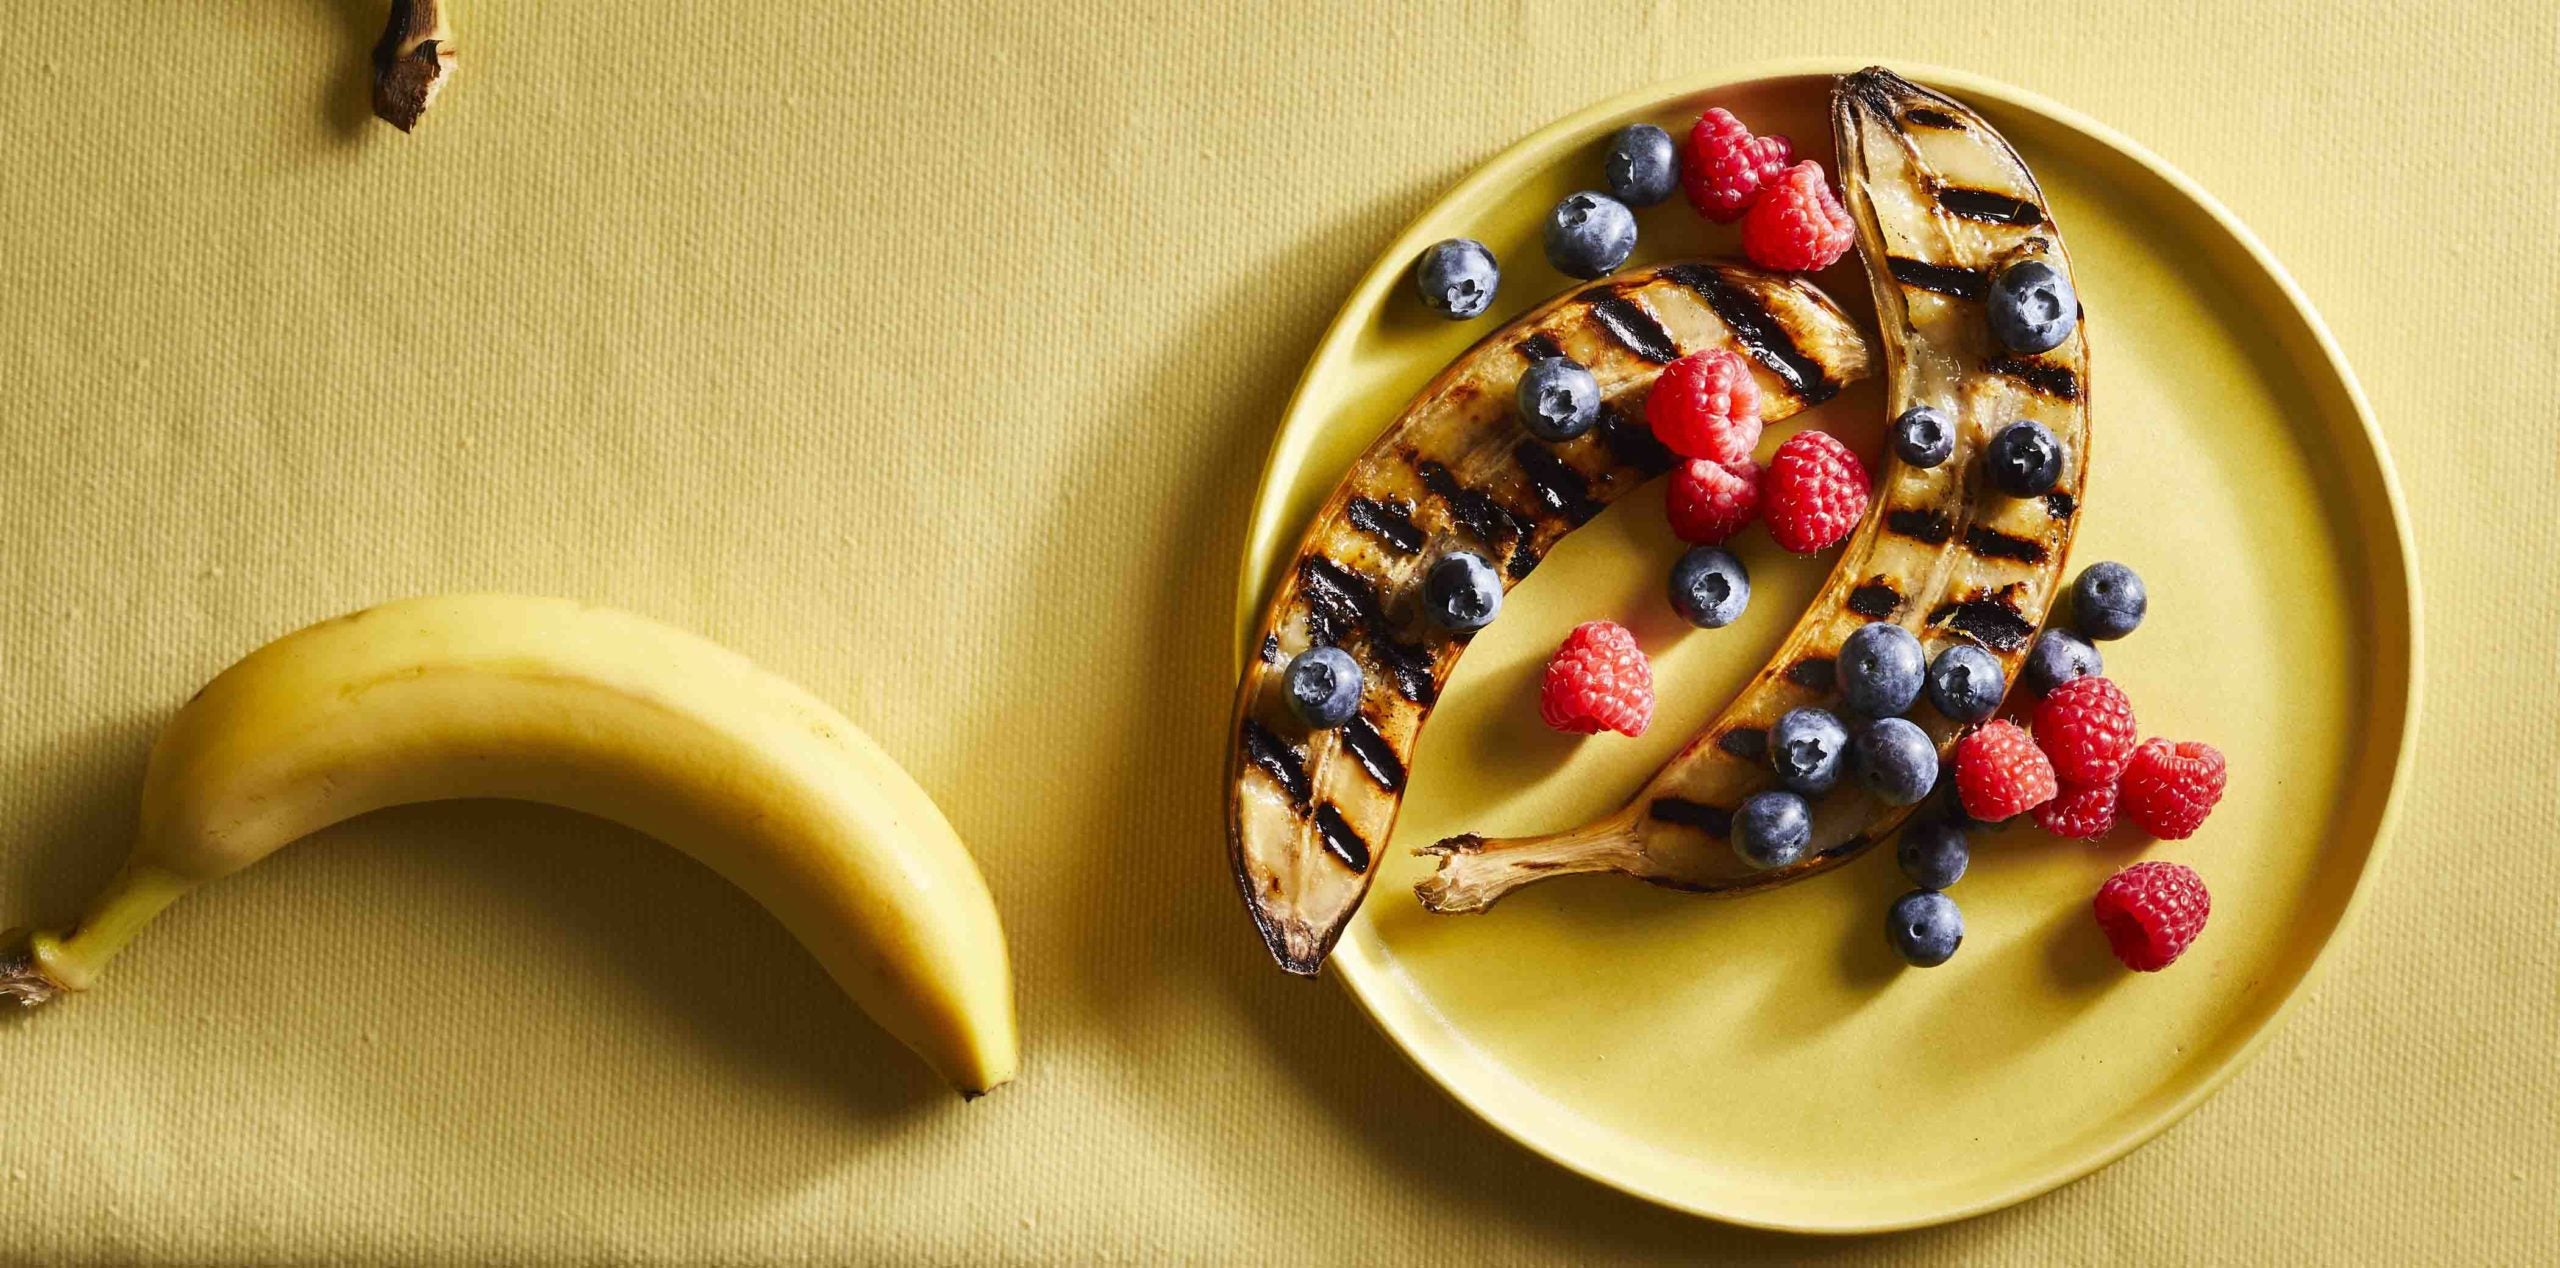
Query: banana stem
x=412 y=61
x=35 y=967
x=1475 y=873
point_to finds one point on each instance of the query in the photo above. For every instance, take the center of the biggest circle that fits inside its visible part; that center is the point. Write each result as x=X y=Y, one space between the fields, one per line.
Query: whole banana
x=598 y=711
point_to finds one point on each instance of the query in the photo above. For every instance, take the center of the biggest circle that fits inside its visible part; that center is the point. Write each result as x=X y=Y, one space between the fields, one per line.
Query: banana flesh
x=1940 y=200
x=1308 y=811
x=471 y=696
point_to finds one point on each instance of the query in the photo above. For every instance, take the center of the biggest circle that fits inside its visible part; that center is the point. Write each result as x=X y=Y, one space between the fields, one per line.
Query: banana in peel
x=594 y=710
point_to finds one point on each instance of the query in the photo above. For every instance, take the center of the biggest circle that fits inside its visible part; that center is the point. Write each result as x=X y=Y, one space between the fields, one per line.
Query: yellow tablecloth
x=927 y=353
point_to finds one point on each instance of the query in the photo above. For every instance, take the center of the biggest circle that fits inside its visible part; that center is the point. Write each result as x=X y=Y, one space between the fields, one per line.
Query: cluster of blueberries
x=1588 y=234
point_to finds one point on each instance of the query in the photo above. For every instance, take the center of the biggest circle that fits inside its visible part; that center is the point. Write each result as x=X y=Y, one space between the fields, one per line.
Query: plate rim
x=1361 y=978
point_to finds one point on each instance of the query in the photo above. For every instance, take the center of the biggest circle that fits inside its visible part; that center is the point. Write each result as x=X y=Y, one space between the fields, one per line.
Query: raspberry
x=2000 y=772
x=2086 y=727
x=1711 y=501
x=1796 y=223
x=1725 y=166
x=1706 y=405
x=2079 y=813
x=2168 y=788
x=1812 y=493
x=1598 y=681
x=2151 y=911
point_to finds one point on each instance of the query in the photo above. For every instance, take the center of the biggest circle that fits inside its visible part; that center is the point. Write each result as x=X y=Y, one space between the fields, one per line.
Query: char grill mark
x=1749 y=743
x=1989 y=208
x=1922 y=116
x=1390 y=523
x=1815 y=672
x=1991 y=543
x=1631 y=443
x=2052 y=380
x=1474 y=510
x=1989 y=619
x=1374 y=754
x=1932 y=527
x=1560 y=489
x=1340 y=839
x=1877 y=600
x=1539 y=347
x=2060 y=505
x=1634 y=328
x=1963 y=283
x=1758 y=330
x=1339 y=601
x=1271 y=650
x=1715 y=821
x=1408 y=666
x=1284 y=764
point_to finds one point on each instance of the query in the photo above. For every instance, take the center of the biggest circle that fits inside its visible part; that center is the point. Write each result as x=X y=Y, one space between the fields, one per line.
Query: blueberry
x=1461 y=592
x=1589 y=234
x=1925 y=927
x=1805 y=749
x=2024 y=459
x=1965 y=683
x=1933 y=854
x=1924 y=437
x=1895 y=760
x=1559 y=400
x=1643 y=166
x=2108 y=601
x=1457 y=278
x=1710 y=587
x=1324 y=686
x=1772 y=828
x=2032 y=306
x=2058 y=657
x=1880 y=669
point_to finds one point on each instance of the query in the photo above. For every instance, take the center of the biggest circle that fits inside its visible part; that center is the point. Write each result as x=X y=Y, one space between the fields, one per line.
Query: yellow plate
x=1767 y=1060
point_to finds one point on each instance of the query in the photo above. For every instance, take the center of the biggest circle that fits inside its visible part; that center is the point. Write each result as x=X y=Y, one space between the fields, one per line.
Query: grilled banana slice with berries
x=1310 y=807
x=1945 y=210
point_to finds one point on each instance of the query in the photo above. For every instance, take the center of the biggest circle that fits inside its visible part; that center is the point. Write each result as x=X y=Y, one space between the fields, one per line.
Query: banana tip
x=22 y=980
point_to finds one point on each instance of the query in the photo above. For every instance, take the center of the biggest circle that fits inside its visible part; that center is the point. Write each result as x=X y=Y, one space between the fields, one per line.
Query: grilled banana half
x=1941 y=202
x=1309 y=809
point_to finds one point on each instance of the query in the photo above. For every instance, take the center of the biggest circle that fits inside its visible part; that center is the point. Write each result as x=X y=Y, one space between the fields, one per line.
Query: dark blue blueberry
x=2032 y=306
x=1457 y=278
x=1559 y=400
x=1588 y=234
x=1324 y=686
x=1924 y=437
x=2108 y=601
x=1461 y=592
x=1710 y=587
x=1643 y=165
x=1772 y=828
x=2024 y=460
x=1880 y=669
x=1925 y=927
x=1965 y=683
x=1933 y=854
x=1895 y=760
x=2058 y=657
x=1805 y=748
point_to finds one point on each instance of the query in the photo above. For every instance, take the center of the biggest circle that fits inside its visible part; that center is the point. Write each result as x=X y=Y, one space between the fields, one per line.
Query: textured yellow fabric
x=927 y=353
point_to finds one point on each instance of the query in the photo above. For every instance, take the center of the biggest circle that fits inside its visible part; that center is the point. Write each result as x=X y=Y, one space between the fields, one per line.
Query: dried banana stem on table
x=412 y=61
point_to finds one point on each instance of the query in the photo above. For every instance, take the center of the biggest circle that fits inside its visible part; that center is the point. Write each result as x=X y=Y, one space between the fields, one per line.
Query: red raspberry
x=2000 y=772
x=2151 y=911
x=2086 y=727
x=1797 y=224
x=2168 y=788
x=2079 y=813
x=1711 y=501
x=1706 y=405
x=1598 y=681
x=1725 y=166
x=1812 y=493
